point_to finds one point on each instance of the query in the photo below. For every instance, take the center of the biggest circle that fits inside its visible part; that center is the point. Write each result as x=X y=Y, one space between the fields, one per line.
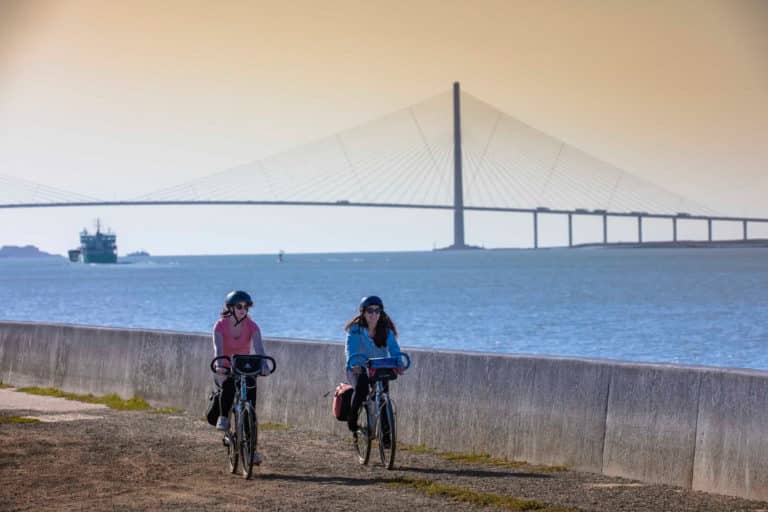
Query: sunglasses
x=373 y=311
x=240 y=307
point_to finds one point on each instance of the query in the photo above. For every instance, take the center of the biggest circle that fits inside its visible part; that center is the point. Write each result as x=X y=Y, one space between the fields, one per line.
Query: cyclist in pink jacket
x=235 y=333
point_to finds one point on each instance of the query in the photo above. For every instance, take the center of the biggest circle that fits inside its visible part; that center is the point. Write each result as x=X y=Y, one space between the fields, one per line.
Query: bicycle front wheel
x=386 y=433
x=247 y=431
x=231 y=441
x=362 y=436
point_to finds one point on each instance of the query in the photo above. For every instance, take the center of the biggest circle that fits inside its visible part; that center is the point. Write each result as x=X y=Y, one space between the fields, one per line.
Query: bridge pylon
x=458 y=182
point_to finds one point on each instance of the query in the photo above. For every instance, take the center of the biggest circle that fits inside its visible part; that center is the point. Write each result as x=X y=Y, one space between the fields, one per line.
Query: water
x=689 y=306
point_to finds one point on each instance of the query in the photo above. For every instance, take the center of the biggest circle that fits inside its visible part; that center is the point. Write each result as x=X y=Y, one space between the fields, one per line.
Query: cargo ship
x=98 y=247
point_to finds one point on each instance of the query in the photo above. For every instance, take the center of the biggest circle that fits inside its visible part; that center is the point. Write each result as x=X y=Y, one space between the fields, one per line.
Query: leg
x=384 y=423
x=227 y=396
x=251 y=392
x=360 y=383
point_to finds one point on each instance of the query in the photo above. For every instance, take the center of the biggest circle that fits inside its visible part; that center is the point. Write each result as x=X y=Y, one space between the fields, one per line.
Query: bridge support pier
x=535 y=230
x=570 y=230
x=745 y=235
x=639 y=229
x=674 y=229
x=709 y=229
x=605 y=229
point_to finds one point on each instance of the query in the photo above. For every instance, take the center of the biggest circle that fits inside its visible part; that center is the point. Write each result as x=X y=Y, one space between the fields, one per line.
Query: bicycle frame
x=242 y=436
x=379 y=408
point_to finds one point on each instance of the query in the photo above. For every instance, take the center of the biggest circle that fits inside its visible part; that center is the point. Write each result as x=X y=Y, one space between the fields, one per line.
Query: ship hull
x=99 y=258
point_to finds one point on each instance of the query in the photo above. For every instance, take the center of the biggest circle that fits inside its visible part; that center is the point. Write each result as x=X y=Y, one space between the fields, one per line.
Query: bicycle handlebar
x=229 y=369
x=399 y=356
x=213 y=361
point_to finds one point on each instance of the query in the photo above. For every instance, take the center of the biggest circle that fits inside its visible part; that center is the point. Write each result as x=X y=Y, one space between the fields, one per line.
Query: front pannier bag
x=212 y=410
x=342 y=401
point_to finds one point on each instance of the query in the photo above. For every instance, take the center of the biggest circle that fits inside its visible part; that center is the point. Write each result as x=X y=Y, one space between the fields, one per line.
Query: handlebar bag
x=342 y=401
x=247 y=364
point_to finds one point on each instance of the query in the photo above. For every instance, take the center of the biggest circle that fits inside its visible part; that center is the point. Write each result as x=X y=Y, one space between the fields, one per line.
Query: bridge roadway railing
x=695 y=427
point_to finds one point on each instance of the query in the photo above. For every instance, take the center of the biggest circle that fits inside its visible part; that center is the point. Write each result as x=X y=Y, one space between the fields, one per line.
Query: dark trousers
x=228 y=394
x=362 y=385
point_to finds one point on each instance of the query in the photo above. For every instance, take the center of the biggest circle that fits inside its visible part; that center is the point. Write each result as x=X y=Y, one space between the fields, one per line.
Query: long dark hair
x=383 y=326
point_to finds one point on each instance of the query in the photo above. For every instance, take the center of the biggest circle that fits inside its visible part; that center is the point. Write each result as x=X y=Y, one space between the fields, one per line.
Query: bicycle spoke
x=232 y=441
x=386 y=433
x=247 y=443
x=362 y=437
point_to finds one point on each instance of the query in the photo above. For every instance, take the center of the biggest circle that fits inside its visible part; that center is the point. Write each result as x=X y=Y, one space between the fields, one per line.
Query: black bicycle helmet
x=371 y=300
x=238 y=296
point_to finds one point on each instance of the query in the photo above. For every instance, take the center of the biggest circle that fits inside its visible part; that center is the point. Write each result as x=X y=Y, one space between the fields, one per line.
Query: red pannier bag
x=342 y=401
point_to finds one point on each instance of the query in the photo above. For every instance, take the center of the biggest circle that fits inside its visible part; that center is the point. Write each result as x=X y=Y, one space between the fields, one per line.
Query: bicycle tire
x=362 y=437
x=247 y=430
x=387 y=447
x=231 y=441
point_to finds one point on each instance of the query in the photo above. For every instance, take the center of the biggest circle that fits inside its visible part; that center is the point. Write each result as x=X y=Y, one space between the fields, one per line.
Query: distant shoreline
x=32 y=252
x=27 y=251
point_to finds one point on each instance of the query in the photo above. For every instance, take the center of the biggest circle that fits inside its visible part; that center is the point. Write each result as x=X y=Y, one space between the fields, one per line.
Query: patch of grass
x=112 y=400
x=481 y=458
x=167 y=410
x=4 y=386
x=465 y=495
x=420 y=448
x=273 y=426
x=17 y=419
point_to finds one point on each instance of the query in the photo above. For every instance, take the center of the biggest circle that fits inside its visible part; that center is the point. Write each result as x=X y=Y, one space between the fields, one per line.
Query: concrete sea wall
x=695 y=427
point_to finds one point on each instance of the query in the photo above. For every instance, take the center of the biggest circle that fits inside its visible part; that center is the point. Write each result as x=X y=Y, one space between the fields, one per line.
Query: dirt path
x=102 y=459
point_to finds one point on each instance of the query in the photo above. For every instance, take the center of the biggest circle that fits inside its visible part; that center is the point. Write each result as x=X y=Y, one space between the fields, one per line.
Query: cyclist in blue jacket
x=373 y=333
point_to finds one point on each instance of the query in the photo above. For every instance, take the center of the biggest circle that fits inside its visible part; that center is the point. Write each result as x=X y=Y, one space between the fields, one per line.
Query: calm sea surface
x=690 y=306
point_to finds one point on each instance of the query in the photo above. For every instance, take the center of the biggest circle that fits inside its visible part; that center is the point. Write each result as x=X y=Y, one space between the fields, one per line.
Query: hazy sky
x=114 y=99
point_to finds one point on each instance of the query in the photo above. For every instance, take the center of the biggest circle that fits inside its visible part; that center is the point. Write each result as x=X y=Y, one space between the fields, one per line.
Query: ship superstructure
x=99 y=247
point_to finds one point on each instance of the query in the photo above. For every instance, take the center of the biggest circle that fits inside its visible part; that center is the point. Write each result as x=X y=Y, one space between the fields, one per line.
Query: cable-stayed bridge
x=449 y=152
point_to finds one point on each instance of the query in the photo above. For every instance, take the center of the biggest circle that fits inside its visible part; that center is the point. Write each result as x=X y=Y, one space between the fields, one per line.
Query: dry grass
x=17 y=419
x=465 y=495
x=482 y=458
x=166 y=410
x=112 y=400
x=273 y=426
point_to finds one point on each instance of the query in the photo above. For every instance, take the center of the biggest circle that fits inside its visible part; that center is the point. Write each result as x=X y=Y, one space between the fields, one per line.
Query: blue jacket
x=358 y=341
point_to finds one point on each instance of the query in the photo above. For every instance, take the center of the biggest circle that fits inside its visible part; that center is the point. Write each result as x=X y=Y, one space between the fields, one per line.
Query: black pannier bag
x=213 y=411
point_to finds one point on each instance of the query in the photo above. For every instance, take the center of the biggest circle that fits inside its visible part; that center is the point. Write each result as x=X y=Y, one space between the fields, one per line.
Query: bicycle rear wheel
x=247 y=431
x=386 y=433
x=362 y=436
x=231 y=441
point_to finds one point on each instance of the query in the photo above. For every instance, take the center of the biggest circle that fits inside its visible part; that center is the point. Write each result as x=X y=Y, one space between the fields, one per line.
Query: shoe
x=222 y=423
x=256 y=458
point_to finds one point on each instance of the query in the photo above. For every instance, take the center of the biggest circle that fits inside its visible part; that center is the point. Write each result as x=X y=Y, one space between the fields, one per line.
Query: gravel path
x=99 y=459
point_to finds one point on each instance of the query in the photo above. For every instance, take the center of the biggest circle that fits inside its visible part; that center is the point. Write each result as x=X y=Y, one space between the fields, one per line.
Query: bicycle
x=241 y=438
x=376 y=418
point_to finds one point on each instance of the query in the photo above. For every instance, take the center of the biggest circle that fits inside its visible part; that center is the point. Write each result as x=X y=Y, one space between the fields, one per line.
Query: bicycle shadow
x=473 y=473
x=338 y=480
